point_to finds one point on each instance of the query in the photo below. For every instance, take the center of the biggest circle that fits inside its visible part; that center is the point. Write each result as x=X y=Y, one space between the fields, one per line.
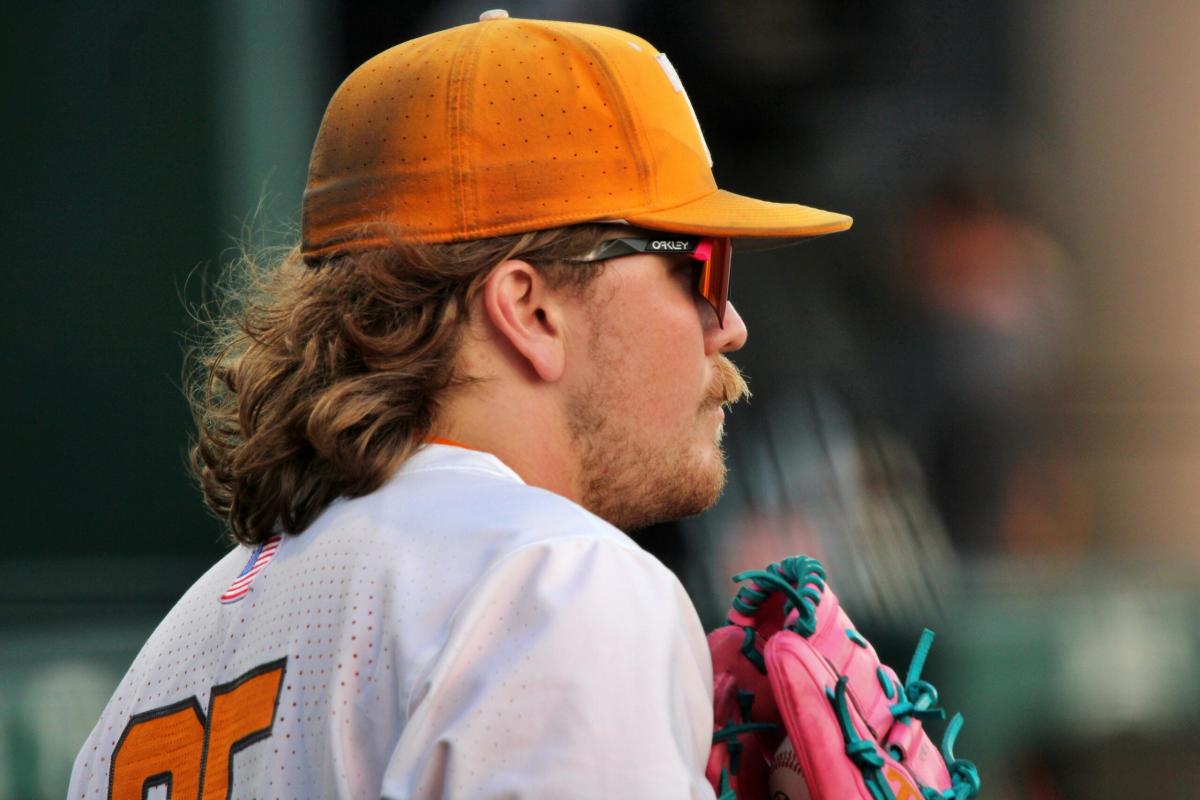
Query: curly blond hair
x=313 y=382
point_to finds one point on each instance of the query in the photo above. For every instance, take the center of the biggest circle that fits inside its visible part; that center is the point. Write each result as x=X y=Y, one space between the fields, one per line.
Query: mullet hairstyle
x=314 y=382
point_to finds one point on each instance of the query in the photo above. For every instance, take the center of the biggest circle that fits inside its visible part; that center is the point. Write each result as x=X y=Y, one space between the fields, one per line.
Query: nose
x=727 y=338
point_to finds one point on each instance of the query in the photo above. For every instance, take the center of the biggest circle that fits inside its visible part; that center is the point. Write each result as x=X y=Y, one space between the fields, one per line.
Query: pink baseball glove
x=790 y=664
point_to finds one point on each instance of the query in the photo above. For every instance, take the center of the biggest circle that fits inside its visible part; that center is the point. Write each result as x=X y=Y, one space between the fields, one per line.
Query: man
x=500 y=343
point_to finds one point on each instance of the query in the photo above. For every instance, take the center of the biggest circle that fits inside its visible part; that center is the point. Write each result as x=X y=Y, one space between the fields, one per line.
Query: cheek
x=666 y=367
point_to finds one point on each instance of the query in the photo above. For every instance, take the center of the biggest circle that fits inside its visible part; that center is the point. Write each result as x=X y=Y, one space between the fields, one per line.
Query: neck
x=530 y=440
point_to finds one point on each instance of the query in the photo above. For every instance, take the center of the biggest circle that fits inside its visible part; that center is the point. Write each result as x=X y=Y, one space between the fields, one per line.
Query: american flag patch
x=257 y=563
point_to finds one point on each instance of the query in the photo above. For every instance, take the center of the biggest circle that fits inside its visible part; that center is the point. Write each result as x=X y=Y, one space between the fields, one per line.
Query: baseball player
x=500 y=343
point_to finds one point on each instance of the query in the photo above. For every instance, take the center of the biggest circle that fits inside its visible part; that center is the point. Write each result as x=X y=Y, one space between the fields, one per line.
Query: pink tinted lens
x=713 y=284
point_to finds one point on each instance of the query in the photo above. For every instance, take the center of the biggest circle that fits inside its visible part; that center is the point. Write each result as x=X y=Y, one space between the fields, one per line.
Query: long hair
x=314 y=382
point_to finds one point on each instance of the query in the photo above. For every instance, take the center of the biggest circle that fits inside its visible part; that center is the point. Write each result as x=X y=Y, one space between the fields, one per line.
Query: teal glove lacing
x=919 y=697
x=862 y=752
x=964 y=776
x=787 y=577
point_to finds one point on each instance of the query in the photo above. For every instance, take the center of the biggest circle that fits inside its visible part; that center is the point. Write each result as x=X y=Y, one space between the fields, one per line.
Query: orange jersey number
x=178 y=746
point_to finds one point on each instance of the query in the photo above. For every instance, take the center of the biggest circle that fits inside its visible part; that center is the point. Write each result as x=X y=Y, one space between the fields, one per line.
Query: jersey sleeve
x=576 y=668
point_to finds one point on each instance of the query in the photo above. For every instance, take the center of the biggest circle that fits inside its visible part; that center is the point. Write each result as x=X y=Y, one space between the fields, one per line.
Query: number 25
x=192 y=754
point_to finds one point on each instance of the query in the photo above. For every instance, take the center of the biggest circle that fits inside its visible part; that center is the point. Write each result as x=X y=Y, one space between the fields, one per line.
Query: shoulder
x=449 y=498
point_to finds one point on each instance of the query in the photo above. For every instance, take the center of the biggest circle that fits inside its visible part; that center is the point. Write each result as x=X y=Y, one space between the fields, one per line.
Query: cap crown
x=498 y=127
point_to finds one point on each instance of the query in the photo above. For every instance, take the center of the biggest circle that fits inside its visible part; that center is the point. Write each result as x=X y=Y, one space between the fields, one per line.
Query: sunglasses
x=713 y=253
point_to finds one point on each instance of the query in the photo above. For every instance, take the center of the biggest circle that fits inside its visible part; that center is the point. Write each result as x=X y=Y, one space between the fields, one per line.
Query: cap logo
x=677 y=84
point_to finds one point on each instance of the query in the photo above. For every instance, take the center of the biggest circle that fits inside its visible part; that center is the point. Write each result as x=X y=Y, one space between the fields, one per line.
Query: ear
x=524 y=312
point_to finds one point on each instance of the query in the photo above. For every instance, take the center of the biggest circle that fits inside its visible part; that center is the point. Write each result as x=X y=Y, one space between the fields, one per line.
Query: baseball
x=786 y=781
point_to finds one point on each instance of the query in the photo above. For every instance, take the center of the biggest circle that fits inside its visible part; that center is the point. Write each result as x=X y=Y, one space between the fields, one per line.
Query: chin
x=635 y=482
x=687 y=491
x=711 y=470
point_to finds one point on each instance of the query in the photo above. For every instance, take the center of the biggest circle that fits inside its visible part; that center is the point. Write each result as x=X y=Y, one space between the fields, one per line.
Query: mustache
x=729 y=386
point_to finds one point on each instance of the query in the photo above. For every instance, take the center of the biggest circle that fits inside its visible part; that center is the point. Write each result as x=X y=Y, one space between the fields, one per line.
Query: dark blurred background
x=979 y=407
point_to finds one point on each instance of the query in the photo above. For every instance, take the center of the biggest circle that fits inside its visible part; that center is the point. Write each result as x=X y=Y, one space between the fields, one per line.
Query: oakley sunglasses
x=713 y=253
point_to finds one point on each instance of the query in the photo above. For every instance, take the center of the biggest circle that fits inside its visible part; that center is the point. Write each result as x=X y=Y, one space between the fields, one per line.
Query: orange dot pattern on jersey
x=510 y=125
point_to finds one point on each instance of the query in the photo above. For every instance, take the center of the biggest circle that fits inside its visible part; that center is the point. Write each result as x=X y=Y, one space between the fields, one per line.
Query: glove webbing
x=782 y=577
x=785 y=577
x=730 y=733
x=751 y=652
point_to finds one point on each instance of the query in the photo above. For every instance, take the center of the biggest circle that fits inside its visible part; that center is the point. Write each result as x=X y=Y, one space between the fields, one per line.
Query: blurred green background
x=981 y=407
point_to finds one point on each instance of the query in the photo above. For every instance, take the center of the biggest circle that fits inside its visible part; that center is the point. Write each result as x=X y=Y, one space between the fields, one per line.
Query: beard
x=632 y=481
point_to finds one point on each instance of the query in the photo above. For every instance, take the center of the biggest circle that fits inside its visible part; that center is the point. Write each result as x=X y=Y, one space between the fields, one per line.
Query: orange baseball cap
x=511 y=125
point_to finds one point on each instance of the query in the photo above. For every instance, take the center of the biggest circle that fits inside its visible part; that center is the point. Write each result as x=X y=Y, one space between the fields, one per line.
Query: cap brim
x=724 y=213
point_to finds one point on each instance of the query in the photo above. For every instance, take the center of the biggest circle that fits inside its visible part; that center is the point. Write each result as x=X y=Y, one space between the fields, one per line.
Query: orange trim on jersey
x=451 y=443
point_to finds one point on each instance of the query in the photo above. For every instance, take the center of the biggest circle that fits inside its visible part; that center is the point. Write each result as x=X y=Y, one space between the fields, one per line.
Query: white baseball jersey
x=457 y=633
